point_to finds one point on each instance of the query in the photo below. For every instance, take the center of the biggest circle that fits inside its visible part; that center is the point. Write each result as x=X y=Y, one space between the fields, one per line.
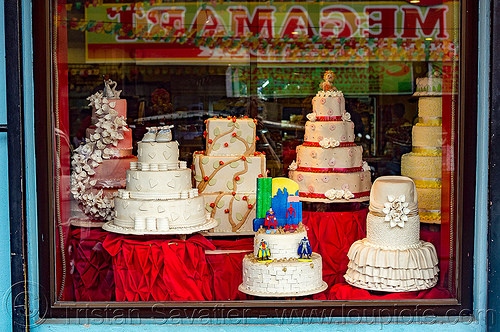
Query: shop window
x=333 y=95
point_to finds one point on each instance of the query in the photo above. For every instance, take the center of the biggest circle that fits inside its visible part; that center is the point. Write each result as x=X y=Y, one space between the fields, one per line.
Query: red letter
x=412 y=16
x=297 y=20
x=331 y=25
x=262 y=21
x=386 y=21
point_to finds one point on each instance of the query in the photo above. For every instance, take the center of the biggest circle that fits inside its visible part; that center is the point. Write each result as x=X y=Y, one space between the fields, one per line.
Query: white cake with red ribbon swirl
x=392 y=258
x=329 y=166
x=225 y=173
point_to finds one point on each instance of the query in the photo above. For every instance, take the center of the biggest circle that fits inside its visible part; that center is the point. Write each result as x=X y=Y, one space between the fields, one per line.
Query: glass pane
x=125 y=72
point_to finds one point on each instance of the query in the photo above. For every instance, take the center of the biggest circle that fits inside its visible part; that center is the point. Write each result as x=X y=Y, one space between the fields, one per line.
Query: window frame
x=465 y=164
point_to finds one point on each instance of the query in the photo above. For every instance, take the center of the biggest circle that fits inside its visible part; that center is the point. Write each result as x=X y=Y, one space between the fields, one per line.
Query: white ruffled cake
x=284 y=274
x=159 y=198
x=392 y=258
x=330 y=166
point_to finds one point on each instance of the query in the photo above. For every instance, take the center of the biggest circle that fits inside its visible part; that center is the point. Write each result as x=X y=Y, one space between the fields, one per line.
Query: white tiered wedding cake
x=159 y=198
x=330 y=166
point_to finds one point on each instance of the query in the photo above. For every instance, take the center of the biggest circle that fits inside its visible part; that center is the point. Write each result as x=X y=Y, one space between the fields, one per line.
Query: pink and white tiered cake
x=330 y=166
x=100 y=164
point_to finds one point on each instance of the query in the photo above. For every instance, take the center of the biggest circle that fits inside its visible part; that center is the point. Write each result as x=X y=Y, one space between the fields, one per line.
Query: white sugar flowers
x=346 y=116
x=396 y=210
x=329 y=143
x=311 y=117
x=293 y=166
x=333 y=194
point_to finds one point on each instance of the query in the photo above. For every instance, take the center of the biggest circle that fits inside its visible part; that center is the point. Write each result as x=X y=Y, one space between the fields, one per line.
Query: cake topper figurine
x=290 y=212
x=327 y=84
x=304 y=249
x=263 y=253
x=110 y=90
x=271 y=221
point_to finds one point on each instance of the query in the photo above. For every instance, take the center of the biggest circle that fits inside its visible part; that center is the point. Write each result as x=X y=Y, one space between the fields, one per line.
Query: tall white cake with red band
x=330 y=166
x=226 y=173
x=99 y=165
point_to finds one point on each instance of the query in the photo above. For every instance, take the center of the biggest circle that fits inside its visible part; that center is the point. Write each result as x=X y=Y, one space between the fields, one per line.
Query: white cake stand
x=326 y=200
x=320 y=289
x=208 y=224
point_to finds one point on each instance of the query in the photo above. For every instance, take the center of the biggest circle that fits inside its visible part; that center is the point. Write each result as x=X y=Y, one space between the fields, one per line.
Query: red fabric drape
x=226 y=268
x=160 y=269
x=331 y=235
x=344 y=291
x=91 y=268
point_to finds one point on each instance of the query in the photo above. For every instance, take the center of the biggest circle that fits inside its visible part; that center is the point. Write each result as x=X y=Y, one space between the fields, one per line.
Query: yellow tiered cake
x=423 y=164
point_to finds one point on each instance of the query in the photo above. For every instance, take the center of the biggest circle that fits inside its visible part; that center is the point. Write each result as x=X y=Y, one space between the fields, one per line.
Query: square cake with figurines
x=225 y=173
x=329 y=166
x=159 y=197
x=100 y=164
x=282 y=263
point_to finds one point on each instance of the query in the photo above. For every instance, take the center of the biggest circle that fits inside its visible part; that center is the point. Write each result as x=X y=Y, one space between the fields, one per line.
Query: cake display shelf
x=208 y=224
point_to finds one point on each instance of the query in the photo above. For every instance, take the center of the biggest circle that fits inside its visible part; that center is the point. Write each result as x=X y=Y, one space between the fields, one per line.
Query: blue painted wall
x=341 y=324
x=5 y=280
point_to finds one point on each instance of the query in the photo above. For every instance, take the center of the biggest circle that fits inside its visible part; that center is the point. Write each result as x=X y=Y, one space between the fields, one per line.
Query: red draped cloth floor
x=201 y=269
x=91 y=267
x=160 y=269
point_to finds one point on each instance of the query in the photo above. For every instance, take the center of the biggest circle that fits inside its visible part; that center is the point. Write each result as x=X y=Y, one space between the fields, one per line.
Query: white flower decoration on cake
x=396 y=210
x=329 y=143
x=333 y=194
x=293 y=166
x=346 y=116
x=365 y=166
x=311 y=117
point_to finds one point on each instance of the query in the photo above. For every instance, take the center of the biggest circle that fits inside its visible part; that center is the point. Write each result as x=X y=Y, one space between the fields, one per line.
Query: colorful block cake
x=329 y=166
x=282 y=263
x=225 y=173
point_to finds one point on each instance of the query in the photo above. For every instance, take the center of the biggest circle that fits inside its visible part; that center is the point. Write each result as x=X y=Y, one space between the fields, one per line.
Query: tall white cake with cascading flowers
x=159 y=198
x=99 y=165
x=330 y=166
x=392 y=258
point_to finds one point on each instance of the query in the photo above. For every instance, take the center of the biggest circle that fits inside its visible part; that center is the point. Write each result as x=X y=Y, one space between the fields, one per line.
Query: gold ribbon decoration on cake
x=427 y=182
x=427 y=150
x=430 y=121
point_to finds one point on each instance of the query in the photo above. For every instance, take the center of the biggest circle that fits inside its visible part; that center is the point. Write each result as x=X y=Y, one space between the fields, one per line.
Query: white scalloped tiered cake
x=329 y=166
x=392 y=258
x=100 y=164
x=225 y=173
x=423 y=164
x=159 y=198
x=283 y=273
